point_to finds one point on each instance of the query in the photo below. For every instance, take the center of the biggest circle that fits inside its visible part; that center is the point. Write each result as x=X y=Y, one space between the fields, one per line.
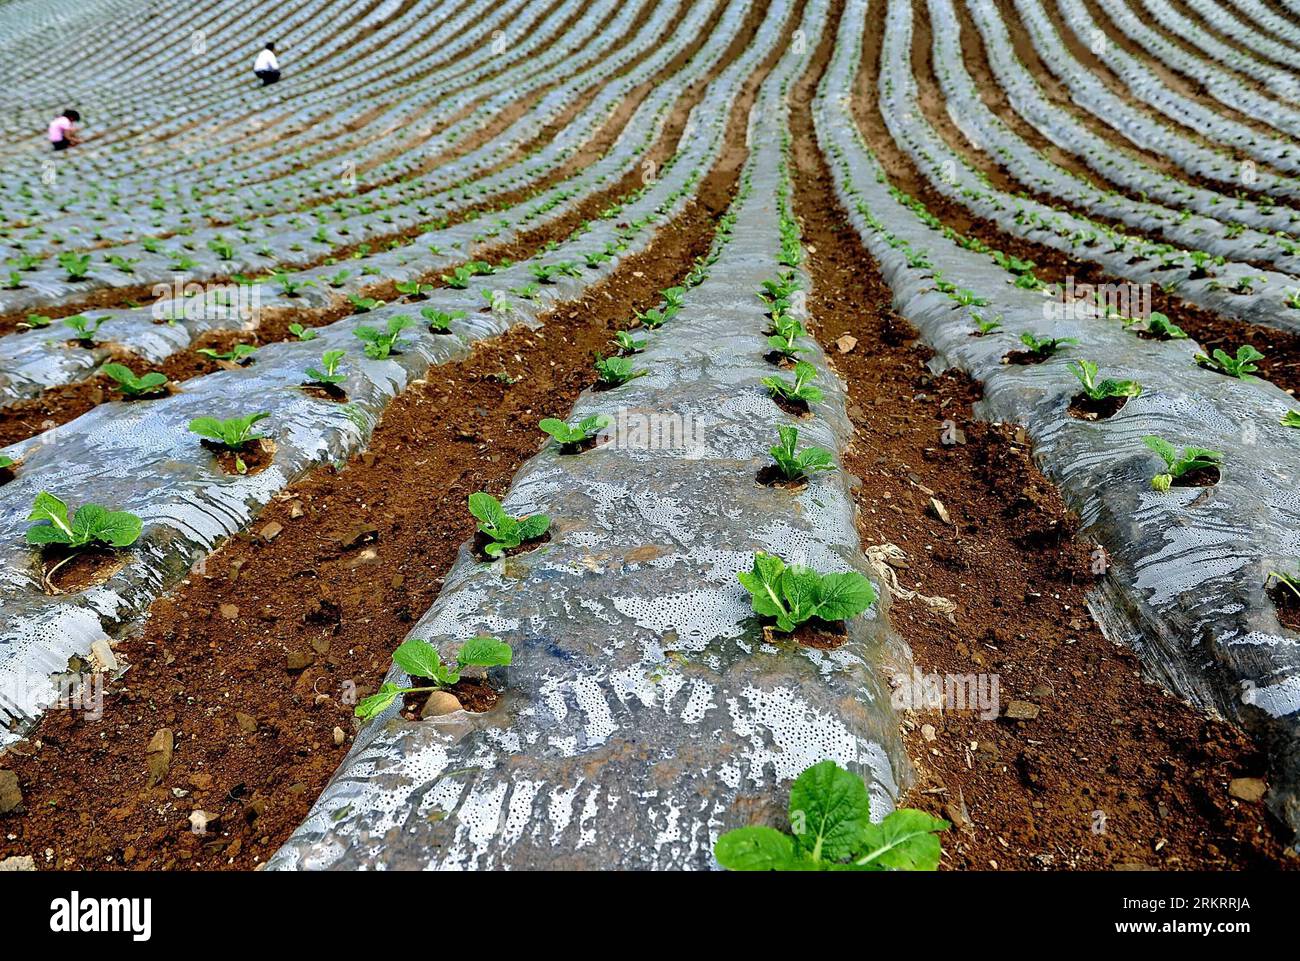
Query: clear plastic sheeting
x=1185 y=585
x=1259 y=301
x=33 y=361
x=644 y=713
x=140 y=457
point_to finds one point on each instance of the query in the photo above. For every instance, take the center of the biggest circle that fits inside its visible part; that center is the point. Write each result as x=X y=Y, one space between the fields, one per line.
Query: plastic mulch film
x=643 y=713
x=1187 y=568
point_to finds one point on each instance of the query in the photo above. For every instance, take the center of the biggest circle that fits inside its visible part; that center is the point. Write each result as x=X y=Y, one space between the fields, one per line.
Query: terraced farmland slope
x=1005 y=265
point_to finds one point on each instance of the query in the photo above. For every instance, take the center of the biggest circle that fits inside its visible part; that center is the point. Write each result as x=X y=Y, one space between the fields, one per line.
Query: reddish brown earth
x=247 y=664
x=1104 y=770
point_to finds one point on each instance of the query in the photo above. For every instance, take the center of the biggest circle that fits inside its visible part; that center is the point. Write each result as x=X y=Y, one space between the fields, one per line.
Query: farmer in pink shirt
x=63 y=130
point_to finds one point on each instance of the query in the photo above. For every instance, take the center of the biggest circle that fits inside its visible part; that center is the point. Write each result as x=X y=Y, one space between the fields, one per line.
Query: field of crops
x=650 y=435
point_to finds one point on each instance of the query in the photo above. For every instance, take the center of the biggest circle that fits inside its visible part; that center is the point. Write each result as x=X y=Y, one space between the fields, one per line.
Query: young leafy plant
x=983 y=326
x=419 y=658
x=616 y=371
x=1242 y=366
x=801 y=389
x=380 y=343
x=796 y=465
x=788 y=331
x=76 y=265
x=830 y=818
x=1086 y=372
x=291 y=286
x=1047 y=346
x=363 y=305
x=84 y=329
x=132 y=386
x=440 y=320
x=1290 y=419
x=1178 y=464
x=303 y=333
x=91 y=526
x=569 y=438
x=655 y=318
x=233 y=434
x=794 y=594
x=505 y=532
x=330 y=376
x=627 y=343
x=413 y=288
x=1159 y=325
x=236 y=355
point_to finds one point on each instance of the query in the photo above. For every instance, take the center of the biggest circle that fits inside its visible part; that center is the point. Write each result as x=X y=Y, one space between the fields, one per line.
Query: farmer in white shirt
x=266 y=66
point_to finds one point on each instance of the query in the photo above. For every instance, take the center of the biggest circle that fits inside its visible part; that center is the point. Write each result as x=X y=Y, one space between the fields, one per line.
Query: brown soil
x=933 y=106
x=772 y=476
x=1086 y=408
x=56 y=406
x=481 y=541
x=1190 y=87
x=256 y=456
x=1287 y=605
x=1281 y=363
x=71 y=572
x=1112 y=772
x=994 y=97
x=251 y=660
x=1201 y=477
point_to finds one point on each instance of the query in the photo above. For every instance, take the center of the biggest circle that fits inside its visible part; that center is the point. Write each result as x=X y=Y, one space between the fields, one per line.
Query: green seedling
x=132 y=386
x=413 y=288
x=419 y=658
x=788 y=331
x=799 y=391
x=303 y=333
x=235 y=355
x=1047 y=346
x=440 y=320
x=655 y=318
x=76 y=265
x=83 y=328
x=569 y=438
x=1178 y=463
x=505 y=532
x=1159 y=325
x=1290 y=419
x=797 y=465
x=983 y=326
x=329 y=376
x=91 y=526
x=35 y=322
x=830 y=820
x=380 y=343
x=363 y=305
x=232 y=434
x=629 y=344
x=794 y=594
x=616 y=371
x=291 y=286
x=1241 y=366
x=1086 y=372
